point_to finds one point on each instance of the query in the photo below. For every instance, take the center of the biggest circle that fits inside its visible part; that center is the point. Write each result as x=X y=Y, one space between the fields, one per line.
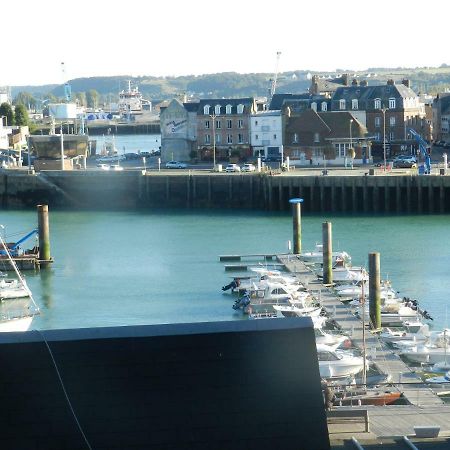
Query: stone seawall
x=195 y=189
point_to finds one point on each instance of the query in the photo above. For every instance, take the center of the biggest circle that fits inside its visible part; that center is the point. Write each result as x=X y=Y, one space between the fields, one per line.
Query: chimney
x=354 y=82
x=390 y=82
x=344 y=79
x=363 y=83
x=406 y=82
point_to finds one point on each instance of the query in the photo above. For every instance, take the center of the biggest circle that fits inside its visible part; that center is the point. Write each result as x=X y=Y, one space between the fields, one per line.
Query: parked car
x=131 y=156
x=232 y=168
x=175 y=165
x=405 y=161
x=248 y=168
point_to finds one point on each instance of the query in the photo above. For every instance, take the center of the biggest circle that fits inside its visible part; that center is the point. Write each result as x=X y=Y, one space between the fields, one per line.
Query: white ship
x=132 y=102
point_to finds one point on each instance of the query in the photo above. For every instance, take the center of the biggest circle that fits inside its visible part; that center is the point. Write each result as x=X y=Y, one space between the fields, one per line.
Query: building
x=389 y=111
x=316 y=138
x=266 y=133
x=441 y=118
x=327 y=86
x=223 y=128
x=178 y=130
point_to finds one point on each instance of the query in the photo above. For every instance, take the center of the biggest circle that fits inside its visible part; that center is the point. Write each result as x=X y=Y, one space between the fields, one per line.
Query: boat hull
x=16 y=324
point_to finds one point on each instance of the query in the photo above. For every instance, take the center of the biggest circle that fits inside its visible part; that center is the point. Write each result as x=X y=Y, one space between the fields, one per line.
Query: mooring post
x=44 y=233
x=326 y=252
x=297 y=224
x=374 y=290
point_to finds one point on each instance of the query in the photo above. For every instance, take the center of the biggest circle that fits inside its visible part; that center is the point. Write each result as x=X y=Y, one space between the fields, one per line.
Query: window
x=229 y=138
x=377 y=121
x=354 y=103
x=256 y=123
x=241 y=123
x=206 y=109
x=207 y=138
x=256 y=137
x=324 y=106
x=378 y=136
x=218 y=138
x=314 y=106
x=241 y=138
x=229 y=123
x=240 y=108
x=377 y=103
x=342 y=104
x=217 y=109
x=206 y=123
x=392 y=121
x=218 y=124
x=316 y=138
x=392 y=103
x=391 y=135
x=228 y=109
x=295 y=138
x=274 y=136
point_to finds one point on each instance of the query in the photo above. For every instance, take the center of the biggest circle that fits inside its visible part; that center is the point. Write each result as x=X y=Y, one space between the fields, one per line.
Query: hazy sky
x=180 y=37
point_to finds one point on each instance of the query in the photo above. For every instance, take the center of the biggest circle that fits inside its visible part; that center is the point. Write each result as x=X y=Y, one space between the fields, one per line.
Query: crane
x=273 y=86
x=67 y=88
x=424 y=149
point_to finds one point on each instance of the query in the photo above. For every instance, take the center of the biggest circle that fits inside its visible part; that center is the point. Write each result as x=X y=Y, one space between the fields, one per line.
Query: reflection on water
x=45 y=277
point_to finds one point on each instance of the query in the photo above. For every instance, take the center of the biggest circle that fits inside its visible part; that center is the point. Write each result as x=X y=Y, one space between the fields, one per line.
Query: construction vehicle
x=14 y=247
x=424 y=150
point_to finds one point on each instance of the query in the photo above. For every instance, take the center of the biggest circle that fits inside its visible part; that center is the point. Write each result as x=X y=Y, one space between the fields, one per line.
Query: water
x=123 y=268
x=132 y=143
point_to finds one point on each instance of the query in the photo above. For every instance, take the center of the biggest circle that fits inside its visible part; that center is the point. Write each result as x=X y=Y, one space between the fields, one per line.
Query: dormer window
x=377 y=103
x=316 y=138
x=206 y=109
x=228 y=109
x=324 y=106
x=240 y=108
x=217 y=109
x=354 y=103
x=314 y=106
x=392 y=103
x=341 y=103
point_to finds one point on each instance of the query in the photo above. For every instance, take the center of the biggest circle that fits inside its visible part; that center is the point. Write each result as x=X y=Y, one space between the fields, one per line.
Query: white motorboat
x=316 y=256
x=270 y=292
x=294 y=311
x=332 y=340
x=334 y=363
x=9 y=324
x=13 y=289
x=394 y=336
x=433 y=351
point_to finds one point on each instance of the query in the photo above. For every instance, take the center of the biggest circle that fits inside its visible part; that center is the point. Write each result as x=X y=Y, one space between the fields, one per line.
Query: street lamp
x=384 y=137
x=351 y=143
x=213 y=117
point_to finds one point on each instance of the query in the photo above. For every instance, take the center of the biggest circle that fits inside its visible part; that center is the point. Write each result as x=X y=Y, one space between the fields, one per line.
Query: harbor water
x=126 y=268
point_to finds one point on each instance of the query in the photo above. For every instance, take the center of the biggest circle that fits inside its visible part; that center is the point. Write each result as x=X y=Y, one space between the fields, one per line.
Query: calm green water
x=122 y=268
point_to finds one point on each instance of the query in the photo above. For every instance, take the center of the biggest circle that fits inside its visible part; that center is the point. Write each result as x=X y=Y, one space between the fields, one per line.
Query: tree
x=92 y=97
x=26 y=99
x=7 y=111
x=21 y=115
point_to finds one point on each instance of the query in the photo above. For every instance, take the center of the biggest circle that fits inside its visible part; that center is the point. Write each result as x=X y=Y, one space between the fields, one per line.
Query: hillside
x=231 y=84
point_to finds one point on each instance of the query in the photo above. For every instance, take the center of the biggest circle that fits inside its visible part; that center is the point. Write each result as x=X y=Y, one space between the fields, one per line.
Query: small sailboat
x=17 y=314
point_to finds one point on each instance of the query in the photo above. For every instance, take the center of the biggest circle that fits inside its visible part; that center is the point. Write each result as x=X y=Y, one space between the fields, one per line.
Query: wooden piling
x=297 y=224
x=327 y=245
x=374 y=290
x=44 y=234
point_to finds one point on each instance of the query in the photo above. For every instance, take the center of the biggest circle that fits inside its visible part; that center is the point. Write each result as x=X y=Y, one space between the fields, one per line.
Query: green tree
x=7 y=111
x=80 y=97
x=25 y=98
x=21 y=115
x=92 y=97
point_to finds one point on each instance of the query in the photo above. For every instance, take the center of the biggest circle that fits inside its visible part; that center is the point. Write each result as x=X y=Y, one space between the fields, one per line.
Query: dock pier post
x=374 y=291
x=327 y=249
x=297 y=224
x=44 y=234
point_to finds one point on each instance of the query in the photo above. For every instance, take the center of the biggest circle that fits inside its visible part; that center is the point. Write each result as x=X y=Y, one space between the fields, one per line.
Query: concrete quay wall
x=130 y=189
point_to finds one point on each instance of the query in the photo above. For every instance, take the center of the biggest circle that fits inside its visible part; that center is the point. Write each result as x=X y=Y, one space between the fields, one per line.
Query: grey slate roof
x=223 y=102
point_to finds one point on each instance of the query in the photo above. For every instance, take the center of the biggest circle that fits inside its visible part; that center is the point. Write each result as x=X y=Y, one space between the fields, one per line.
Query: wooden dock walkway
x=414 y=390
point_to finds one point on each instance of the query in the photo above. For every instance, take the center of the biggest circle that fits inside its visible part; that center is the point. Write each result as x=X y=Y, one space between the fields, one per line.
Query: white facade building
x=266 y=133
x=4 y=131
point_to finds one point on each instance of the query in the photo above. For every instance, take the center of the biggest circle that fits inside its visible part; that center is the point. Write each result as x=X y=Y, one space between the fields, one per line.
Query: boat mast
x=363 y=293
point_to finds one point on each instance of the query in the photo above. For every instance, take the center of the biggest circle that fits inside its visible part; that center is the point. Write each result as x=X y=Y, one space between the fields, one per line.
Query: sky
x=180 y=37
